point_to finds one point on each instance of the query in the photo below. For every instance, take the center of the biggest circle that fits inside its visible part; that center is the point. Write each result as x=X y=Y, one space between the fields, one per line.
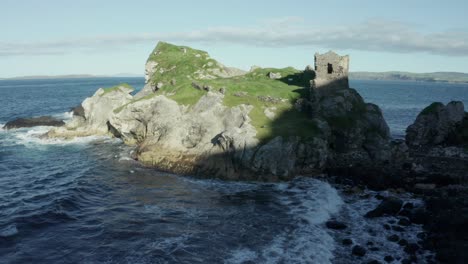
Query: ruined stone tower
x=331 y=71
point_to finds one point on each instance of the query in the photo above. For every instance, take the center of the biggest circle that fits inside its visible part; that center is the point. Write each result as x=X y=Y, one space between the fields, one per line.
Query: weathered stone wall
x=331 y=71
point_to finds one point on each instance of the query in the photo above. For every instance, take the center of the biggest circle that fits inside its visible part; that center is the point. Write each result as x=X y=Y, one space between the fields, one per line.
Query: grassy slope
x=288 y=121
x=114 y=88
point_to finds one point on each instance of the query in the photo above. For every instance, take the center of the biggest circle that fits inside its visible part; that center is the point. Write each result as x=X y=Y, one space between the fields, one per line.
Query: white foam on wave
x=31 y=137
x=242 y=256
x=222 y=186
x=310 y=203
x=64 y=116
x=9 y=231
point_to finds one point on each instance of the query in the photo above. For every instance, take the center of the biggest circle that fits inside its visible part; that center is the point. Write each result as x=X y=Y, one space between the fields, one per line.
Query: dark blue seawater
x=86 y=201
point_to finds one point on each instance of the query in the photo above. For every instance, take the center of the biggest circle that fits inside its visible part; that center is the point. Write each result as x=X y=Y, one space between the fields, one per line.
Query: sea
x=87 y=201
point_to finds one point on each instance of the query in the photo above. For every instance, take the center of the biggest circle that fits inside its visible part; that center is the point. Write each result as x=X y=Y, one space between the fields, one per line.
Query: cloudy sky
x=51 y=37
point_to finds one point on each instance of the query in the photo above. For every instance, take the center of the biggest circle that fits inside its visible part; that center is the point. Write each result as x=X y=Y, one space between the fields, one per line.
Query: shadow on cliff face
x=327 y=128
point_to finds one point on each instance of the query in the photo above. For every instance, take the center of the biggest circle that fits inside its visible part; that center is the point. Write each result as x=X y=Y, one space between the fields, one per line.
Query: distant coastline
x=445 y=77
x=72 y=76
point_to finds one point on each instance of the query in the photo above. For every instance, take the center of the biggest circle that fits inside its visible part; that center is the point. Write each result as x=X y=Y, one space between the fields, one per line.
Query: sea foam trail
x=31 y=137
x=310 y=203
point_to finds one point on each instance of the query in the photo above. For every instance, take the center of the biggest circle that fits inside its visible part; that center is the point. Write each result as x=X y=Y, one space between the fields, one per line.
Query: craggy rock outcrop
x=212 y=140
x=435 y=124
x=359 y=134
x=33 y=121
x=93 y=119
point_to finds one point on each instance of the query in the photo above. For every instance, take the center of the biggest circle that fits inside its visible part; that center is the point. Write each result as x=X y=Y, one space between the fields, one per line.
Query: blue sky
x=108 y=37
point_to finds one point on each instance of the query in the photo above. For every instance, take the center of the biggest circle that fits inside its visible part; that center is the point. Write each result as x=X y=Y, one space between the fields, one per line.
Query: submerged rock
x=333 y=224
x=34 y=121
x=389 y=206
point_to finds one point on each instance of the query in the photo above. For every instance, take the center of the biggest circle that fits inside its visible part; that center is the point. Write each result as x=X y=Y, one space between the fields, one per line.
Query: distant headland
x=445 y=77
x=448 y=77
x=71 y=76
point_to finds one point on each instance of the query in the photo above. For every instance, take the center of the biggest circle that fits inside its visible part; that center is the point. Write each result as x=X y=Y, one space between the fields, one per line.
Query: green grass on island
x=117 y=87
x=179 y=69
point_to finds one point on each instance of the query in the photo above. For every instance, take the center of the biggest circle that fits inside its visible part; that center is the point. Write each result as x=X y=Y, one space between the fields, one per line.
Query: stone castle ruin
x=331 y=71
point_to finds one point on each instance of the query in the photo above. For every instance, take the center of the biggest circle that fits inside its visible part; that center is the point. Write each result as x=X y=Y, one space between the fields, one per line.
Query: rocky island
x=197 y=117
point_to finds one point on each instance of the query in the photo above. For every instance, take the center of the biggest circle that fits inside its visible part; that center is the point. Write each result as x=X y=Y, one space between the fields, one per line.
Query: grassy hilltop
x=187 y=74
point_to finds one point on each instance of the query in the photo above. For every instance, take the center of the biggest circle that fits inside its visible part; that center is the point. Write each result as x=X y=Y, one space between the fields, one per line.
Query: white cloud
x=373 y=35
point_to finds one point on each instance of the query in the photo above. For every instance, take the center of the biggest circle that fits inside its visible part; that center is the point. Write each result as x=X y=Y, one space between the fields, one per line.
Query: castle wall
x=331 y=71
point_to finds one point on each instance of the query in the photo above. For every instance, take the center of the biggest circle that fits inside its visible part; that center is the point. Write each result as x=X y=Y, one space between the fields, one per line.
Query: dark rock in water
x=347 y=242
x=359 y=251
x=406 y=261
x=408 y=205
x=373 y=262
x=387 y=226
x=419 y=216
x=333 y=224
x=447 y=212
x=393 y=238
x=370 y=243
x=405 y=212
x=421 y=235
x=411 y=248
x=403 y=242
x=389 y=206
x=33 y=121
x=379 y=196
x=374 y=249
x=404 y=222
x=389 y=259
x=78 y=111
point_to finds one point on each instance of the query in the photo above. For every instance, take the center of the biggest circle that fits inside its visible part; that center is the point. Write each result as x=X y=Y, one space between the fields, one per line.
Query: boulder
x=359 y=251
x=34 y=121
x=95 y=114
x=273 y=75
x=435 y=123
x=411 y=248
x=389 y=206
x=333 y=224
x=393 y=238
x=78 y=110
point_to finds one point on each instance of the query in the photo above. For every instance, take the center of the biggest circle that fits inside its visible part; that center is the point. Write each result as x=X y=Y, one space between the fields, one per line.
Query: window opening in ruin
x=330 y=68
